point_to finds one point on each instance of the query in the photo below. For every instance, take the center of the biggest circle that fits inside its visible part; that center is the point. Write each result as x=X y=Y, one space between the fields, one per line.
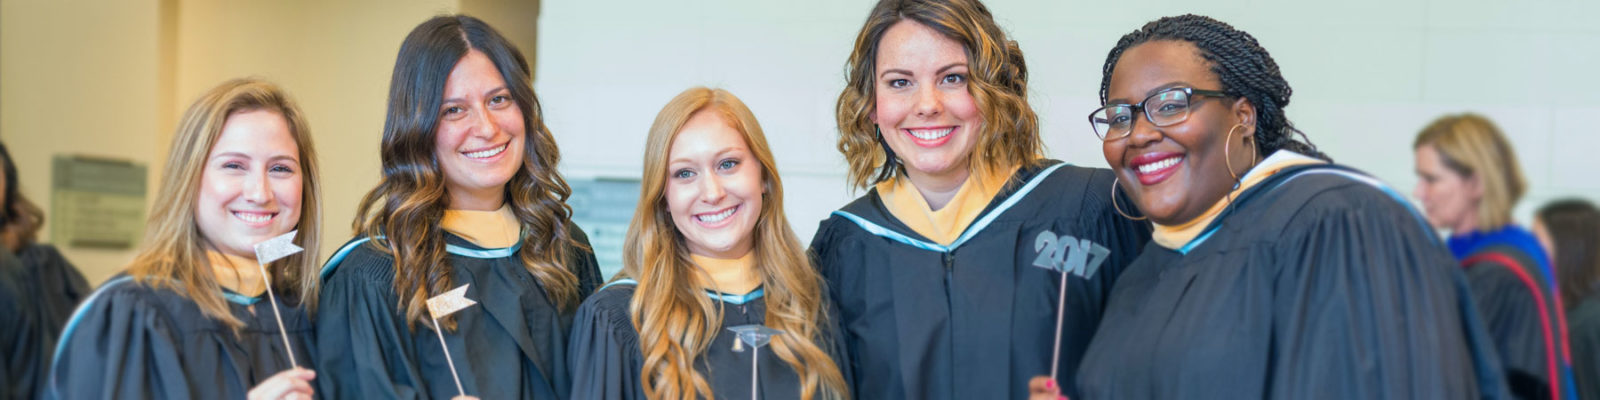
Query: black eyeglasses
x=1164 y=108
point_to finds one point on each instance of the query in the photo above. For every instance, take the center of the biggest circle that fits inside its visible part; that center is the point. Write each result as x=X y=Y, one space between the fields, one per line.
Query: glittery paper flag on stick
x=449 y=302
x=755 y=336
x=445 y=304
x=268 y=251
x=276 y=248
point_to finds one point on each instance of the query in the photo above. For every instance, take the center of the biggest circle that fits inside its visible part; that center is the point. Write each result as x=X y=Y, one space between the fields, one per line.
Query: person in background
x=709 y=250
x=43 y=287
x=949 y=271
x=470 y=196
x=1469 y=180
x=1272 y=273
x=1570 y=232
x=190 y=317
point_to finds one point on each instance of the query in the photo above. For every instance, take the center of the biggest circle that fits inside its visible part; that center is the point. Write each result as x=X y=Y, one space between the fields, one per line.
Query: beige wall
x=110 y=78
x=80 y=77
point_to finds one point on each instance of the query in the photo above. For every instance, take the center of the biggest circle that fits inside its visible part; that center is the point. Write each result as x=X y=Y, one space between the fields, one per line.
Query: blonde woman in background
x=189 y=318
x=709 y=249
x=1469 y=180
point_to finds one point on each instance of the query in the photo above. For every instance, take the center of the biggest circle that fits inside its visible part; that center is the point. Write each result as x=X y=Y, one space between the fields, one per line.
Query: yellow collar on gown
x=944 y=225
x=488 y=229
x=731 y=276
x=238 y=274
x=1177 y=236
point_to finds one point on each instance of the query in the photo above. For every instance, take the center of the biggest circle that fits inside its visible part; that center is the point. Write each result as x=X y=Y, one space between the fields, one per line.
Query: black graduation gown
x=606 y=359
x=511 y=345
x=976 y=319
x=1316 y=283
x=1523 y=316
x=133 y=341
x=40 y=290
x=1583 y=326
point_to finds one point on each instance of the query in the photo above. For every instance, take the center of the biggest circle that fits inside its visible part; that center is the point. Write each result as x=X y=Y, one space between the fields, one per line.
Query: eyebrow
x=486 y=93
x=906 y=72
x=247 y=156
x=1151 y=92
x=717 y=155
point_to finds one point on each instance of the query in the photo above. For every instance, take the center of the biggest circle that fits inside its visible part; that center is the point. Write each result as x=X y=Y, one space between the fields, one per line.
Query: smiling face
x=714 y=187
x=923 y=108
x=1449 y=199
x=479 y=140
x=250 y=189
x=1175 y=173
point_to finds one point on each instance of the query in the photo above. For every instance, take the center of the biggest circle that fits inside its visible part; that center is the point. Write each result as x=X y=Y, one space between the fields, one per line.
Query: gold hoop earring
x=1118 y=208
x=1227 y=158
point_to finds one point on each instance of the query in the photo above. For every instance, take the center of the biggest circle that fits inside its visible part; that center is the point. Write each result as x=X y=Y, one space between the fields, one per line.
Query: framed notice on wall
x=97 y=202
x=603 y=207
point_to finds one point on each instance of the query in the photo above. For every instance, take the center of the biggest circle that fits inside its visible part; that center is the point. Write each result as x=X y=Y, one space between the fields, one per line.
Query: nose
x=929 y=101
x=483 y=125
x=256 y=189
x=711 y=189
x=1143 y=132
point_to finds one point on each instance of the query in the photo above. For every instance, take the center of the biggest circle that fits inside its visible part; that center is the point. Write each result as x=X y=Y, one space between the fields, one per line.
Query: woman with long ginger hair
x=708 y=249
x=470 y=197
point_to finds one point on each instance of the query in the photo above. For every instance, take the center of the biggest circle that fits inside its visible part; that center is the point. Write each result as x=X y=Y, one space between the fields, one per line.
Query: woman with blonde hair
x=709 y=254
x=949 y=272
x=1469 y=180
x=192 y=317
x=470 y=198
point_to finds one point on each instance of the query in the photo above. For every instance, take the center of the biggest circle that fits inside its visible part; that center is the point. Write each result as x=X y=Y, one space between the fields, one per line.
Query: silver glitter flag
x=449 y=302
x=276 y=248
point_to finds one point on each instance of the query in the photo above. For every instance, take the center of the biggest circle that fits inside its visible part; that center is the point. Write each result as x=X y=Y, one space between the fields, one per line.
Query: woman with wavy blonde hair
x=470 y=197
x=709 y=249
x=949 y=272
x=191 y=316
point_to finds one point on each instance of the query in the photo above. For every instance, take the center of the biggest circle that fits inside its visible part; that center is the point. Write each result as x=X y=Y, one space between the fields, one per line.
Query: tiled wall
x=1367 y=75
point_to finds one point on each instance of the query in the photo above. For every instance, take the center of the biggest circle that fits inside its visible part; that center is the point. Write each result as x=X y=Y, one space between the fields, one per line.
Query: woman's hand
x=1044 y=388
x=291 y=384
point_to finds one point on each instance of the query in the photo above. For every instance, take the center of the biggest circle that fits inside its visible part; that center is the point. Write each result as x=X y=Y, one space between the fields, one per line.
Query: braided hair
x=1241 y=64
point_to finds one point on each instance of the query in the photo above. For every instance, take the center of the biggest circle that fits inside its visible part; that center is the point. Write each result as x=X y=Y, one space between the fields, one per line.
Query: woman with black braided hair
x=1272 y=273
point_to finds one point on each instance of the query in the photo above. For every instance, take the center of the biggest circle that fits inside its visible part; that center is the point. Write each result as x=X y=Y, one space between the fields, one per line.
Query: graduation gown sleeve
x=603 y=351
x=1584 y=332
x=122 y=347
x=1355 y=306
x=369 y=354
x=1509 y=307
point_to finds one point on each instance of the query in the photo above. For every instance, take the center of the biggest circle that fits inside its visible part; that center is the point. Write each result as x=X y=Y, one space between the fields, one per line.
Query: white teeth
x=932 y=134
x=718 y=216
x=253 y=217
x=1159 y=165
x=488 y=153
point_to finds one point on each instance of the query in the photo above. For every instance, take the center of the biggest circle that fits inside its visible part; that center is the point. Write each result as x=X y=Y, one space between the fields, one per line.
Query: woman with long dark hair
x=38 y=289
x=470 y=196
x=1570 y=232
